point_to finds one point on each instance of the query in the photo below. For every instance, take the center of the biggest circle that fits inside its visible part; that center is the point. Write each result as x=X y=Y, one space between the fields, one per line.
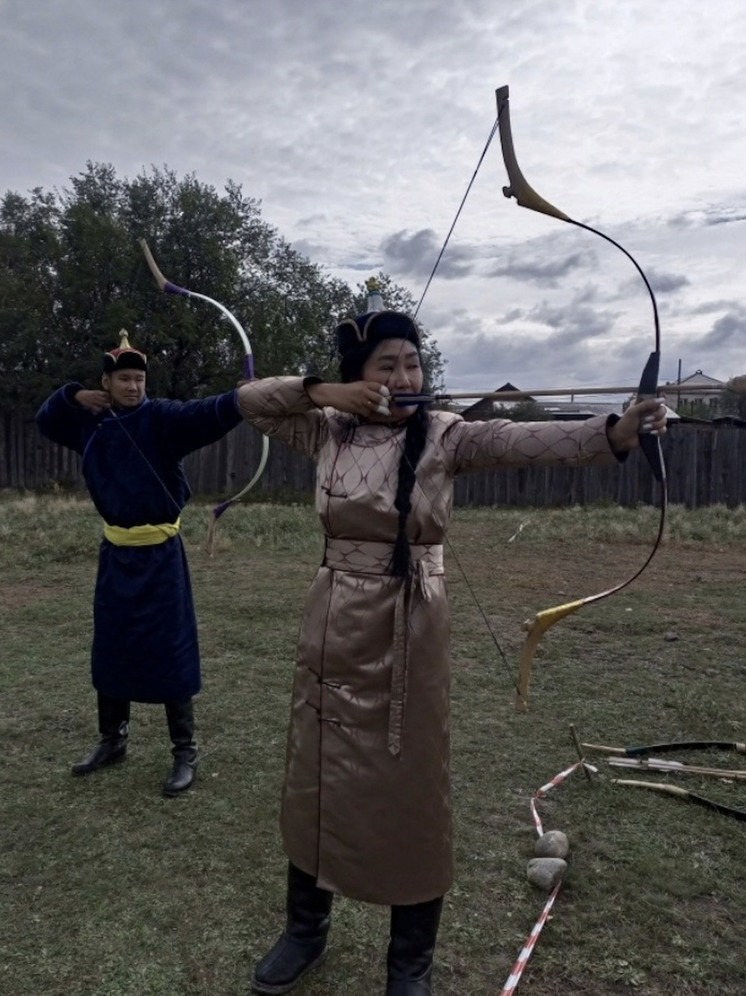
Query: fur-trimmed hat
x=124 y=357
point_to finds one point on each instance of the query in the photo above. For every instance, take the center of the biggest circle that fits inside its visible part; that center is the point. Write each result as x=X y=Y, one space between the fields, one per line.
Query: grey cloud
x=493 y=359
x=486 y=360
x=357 y=135
x=713 y=214
x=708 y=307
x=662 y=283
x=729 y=329
x=581 y=349
x=573 y=322
x=726 y=218
x=667 y=283
x=415 y=255
x=546 y=272
x=632 y=351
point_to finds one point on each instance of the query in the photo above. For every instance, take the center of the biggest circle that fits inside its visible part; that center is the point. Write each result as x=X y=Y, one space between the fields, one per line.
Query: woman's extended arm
x=485 y=445
x=281 y=407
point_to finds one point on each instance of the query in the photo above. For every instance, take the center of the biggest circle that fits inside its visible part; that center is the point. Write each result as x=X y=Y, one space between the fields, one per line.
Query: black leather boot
x=113 y=725
x=180 y=719
x=302 y=944
x=414 y=930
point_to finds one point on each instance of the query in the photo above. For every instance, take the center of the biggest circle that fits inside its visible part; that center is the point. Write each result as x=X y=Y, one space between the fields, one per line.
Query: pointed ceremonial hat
x=124 y=357
x=375 y=325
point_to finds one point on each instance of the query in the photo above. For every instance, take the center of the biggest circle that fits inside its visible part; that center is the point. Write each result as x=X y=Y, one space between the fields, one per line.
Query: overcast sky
x=359 y=125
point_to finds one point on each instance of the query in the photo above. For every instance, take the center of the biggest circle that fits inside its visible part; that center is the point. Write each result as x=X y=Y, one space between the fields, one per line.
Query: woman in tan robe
x=366 y=804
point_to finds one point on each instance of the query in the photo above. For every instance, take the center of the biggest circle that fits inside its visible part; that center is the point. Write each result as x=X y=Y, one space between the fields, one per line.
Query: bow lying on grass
x=682 y=793
x=638 y=750
x=676 y=767
x=248 y=372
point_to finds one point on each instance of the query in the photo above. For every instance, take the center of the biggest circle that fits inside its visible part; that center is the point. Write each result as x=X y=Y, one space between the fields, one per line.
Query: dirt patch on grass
x=13 y=597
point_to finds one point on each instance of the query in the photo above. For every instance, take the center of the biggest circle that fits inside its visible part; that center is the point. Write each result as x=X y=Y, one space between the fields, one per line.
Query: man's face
x=126 y=387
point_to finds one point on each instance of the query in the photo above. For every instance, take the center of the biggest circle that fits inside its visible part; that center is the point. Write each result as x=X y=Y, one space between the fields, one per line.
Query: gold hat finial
x=125 y=356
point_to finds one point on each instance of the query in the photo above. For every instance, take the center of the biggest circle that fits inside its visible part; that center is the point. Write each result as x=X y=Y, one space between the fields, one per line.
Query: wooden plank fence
x=706 y=466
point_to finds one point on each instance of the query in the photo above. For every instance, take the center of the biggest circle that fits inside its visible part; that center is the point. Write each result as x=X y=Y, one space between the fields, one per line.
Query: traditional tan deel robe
x=366 y=803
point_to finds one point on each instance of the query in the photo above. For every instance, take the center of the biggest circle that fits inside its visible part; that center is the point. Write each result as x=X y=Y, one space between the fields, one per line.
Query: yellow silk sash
x=146 y=535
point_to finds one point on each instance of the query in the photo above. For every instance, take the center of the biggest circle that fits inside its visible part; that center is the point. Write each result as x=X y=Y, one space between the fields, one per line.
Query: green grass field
x=108 y=889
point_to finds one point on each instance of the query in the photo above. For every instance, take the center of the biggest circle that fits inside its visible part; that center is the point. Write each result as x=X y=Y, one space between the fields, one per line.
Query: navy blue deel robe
x=145 y=645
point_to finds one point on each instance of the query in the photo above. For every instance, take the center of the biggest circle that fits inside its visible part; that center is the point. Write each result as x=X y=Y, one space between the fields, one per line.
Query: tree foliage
x=527 y=410
x=72 y=275
x=726 y=404
x=733 y=402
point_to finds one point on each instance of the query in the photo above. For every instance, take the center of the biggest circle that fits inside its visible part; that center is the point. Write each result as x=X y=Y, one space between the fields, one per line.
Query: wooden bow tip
x=519 y=187
x=534 y=629
x=153 y=266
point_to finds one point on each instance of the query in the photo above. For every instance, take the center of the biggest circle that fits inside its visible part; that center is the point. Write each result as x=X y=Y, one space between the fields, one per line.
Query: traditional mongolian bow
x=248 y=372
x=647 y=388
x=638 y=750
x=682 y=793
x=676 y=767
x=527 y=197
x=635 y=756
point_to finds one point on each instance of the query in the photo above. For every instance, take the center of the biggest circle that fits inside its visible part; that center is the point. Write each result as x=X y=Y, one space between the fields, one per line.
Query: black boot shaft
x=113 y=725
x=113 y=717
x=414 y=931
x=302 y=945
x=180 y=719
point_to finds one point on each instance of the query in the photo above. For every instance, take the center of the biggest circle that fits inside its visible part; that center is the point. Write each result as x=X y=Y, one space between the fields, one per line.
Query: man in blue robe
x=145 y=646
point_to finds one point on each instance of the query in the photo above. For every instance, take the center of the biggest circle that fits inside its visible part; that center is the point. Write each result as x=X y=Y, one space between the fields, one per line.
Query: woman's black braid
x=414 y=444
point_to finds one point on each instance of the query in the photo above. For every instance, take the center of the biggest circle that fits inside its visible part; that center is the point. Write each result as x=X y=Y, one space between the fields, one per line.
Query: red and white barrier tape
x=540 y=793
x=515 y=976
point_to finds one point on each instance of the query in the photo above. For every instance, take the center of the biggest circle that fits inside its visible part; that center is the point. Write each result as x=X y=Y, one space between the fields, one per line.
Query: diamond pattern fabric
x=366 y=800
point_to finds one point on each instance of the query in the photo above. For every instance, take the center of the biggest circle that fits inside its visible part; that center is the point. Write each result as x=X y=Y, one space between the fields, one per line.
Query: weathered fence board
x=706 y=466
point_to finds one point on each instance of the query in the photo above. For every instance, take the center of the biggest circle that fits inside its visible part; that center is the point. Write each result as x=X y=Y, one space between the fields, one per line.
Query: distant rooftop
x=697 y=379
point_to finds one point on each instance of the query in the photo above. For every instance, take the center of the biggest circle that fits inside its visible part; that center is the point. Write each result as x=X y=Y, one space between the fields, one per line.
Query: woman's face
x=395 y=363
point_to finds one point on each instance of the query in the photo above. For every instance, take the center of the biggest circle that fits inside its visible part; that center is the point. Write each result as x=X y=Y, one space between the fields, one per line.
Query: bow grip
x=648 y=389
